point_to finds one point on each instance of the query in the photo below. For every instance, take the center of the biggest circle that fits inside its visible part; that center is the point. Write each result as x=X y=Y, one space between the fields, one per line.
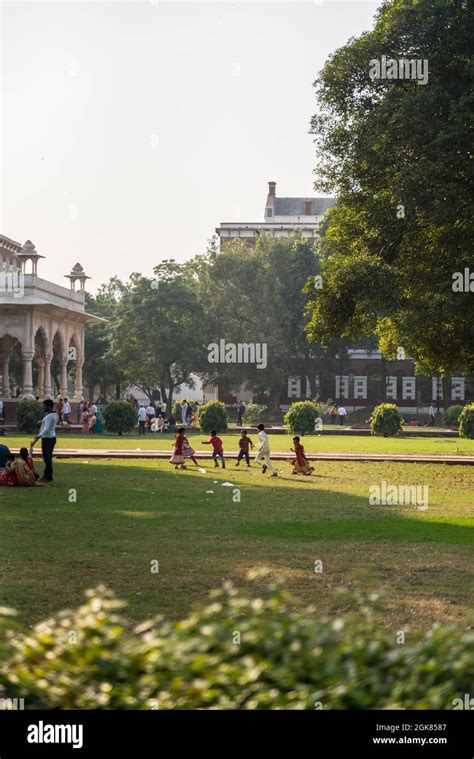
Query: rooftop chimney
x=272 y=188
x=307 y=207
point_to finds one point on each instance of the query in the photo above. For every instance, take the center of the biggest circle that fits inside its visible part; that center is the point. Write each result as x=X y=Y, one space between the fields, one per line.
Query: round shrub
x=451 y=416
x=466 y=421
x=213 y=416
x=28 y=414
x=253 y=413
x=119 y=417
x=386 y=420
x=301 y=416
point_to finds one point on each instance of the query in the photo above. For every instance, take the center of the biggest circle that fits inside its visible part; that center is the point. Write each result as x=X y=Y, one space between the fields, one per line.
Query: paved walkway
x=97 y=453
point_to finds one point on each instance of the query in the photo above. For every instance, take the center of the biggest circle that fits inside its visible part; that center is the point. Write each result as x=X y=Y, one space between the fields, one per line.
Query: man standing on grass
x=66 y=410
x=141 y=419
x=263 y=454
x=432 y=415
x=47 y=433
x=342 y=414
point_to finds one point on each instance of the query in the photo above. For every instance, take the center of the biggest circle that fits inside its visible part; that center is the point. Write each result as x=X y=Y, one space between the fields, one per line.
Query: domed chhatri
x=28 y=252
x=77 y=275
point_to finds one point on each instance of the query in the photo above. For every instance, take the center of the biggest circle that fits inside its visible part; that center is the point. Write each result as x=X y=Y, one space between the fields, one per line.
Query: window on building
x=269 y=211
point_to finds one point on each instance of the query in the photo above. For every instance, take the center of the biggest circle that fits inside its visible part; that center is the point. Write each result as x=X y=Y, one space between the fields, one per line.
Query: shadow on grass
x=144 y=493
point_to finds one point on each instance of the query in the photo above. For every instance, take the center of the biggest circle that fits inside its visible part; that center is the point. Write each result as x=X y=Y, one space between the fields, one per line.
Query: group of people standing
x=88 y=416
x=153 y=419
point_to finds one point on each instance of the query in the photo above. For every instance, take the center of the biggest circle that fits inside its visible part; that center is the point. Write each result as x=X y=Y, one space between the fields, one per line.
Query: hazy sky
x=130 y=130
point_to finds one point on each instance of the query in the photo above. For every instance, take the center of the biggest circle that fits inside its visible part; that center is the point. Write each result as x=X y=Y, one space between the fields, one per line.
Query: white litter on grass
x=215 y=482
x=227 y=484
x=203 y=471
x=85 y=462
x=209 y=491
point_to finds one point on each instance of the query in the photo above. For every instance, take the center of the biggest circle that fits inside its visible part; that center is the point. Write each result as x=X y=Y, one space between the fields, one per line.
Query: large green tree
x=100 y=368
x=159 y=330
x=255 y=295
x=398 y=155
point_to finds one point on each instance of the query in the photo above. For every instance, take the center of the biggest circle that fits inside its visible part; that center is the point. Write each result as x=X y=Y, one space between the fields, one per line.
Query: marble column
x=27 y=359
x=5 y=361
x=47 y=376
x=78 y=384
x=40 y=362
x=63 y=377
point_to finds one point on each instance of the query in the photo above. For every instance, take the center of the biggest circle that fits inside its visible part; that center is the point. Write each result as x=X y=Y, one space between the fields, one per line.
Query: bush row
x=235 y=652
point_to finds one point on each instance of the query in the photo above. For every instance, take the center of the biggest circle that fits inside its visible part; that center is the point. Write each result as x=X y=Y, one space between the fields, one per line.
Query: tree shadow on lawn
x=131 y=513
x=136 y=492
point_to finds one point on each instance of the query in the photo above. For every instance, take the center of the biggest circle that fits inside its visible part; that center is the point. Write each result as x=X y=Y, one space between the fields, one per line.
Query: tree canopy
x=398 y=155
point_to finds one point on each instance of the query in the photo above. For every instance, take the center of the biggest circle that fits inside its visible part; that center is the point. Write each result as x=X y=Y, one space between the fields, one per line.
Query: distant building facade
x=282 y=218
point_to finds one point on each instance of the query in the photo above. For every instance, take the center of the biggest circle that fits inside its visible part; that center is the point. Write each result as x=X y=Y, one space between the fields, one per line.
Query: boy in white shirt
x=263 y=455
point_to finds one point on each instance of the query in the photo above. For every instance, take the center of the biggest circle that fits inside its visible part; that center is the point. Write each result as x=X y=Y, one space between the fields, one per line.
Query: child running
x=263 y=454
x=244 y=444
x=218 y=451
x=188 y=450
x=300 y=463
x=178 y=456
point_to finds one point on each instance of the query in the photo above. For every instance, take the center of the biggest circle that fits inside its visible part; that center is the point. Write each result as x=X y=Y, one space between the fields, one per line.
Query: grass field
x=313 y=443
x=130 y=513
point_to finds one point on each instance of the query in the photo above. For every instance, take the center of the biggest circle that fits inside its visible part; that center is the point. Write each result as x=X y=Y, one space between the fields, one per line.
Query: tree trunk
x=169 y=402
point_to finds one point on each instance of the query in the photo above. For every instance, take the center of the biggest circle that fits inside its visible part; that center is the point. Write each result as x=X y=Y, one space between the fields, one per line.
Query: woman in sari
x=85 y=420
x=20 y=472
x=300 y=463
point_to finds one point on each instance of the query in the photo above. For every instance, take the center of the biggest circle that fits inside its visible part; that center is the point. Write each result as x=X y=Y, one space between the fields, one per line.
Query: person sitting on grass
x=171 y=424
x=217 y=449
x=300 y=463
x=20 y=471
x=4 y=454
x=244 y=444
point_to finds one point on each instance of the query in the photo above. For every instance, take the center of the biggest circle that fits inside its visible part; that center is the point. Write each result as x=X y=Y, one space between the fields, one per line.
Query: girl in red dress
x=178 y=456
x=300 y=463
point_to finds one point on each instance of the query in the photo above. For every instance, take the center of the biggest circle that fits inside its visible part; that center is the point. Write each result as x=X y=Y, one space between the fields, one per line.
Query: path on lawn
x=96 y=453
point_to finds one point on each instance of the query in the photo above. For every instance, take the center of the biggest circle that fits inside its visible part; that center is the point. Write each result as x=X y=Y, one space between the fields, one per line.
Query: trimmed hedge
x=213 y=416
x=28 y=415
x=301 y=416
x=236 y=652
x=253 y=413
x=386 y=420
x=120 y=417
x=451 y=416
x=466 y=421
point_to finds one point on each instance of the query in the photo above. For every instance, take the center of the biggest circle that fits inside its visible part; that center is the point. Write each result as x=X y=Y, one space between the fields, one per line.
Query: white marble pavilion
x=39 y=319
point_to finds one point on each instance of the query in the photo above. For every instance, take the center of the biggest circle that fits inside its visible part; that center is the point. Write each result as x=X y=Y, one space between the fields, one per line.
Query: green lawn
x=130 y=513
x=313 y=443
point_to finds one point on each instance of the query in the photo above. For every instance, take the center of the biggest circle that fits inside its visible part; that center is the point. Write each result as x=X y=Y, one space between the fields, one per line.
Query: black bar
x=315 y=734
